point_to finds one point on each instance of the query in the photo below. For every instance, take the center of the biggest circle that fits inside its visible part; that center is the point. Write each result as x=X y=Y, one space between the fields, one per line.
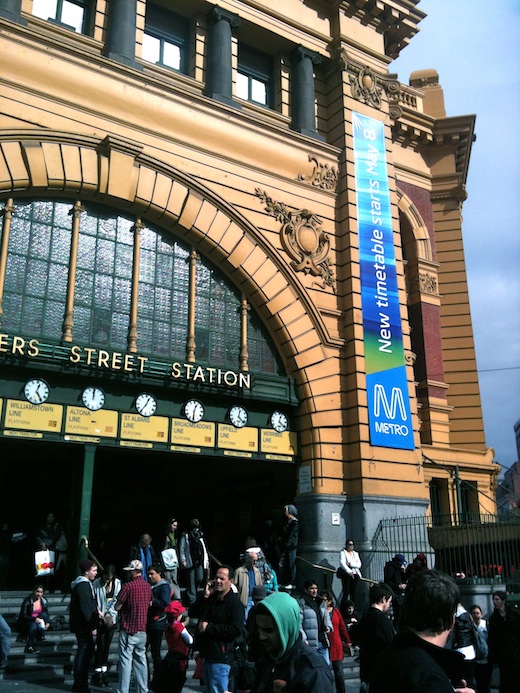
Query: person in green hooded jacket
x=287 y=663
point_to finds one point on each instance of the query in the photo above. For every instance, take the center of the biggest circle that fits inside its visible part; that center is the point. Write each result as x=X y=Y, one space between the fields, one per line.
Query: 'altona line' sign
x=127 y=363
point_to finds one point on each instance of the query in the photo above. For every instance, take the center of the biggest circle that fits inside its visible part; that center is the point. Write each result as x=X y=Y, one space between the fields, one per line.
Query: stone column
x=12 y=9
x=121 y=32
x=302 y=91
x=219 y=73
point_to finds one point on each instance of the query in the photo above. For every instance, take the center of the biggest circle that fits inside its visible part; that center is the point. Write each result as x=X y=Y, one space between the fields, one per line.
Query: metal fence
x=475 y=548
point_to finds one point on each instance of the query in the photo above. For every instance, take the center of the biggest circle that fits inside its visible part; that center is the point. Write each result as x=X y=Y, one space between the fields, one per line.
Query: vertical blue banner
x=387 y=385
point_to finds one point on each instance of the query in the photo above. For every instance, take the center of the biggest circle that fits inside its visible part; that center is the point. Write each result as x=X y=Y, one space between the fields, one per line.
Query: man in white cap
x=133 y=602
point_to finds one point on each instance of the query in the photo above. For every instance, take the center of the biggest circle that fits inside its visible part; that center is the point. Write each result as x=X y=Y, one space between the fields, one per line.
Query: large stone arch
x=113 y=171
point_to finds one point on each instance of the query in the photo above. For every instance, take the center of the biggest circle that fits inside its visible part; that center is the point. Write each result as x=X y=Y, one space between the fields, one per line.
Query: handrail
x=84 y=540
x=331 y=570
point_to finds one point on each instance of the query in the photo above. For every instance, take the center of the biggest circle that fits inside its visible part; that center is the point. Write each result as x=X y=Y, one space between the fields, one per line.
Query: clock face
x=238 y=416
x=279 y=421
x=145 y=404
x=36 y=391
x=193 y=410
x=93 y=398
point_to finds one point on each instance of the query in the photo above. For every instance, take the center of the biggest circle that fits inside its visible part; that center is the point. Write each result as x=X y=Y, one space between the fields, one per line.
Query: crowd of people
x=249 y=629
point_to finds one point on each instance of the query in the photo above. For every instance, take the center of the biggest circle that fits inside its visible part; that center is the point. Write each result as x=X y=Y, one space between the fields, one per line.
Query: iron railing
x=472 y=547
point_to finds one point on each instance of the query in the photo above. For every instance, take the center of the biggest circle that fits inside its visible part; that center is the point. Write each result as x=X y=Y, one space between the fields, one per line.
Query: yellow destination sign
x=231 y=438
x=82 y=421
x=33 y=417
x=200 y=434
x=141 y=428
x=278 y=443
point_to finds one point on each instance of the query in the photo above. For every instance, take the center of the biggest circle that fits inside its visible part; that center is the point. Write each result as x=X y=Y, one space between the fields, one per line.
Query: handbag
x=169 y=558
x=44 y=562
x=108 y=620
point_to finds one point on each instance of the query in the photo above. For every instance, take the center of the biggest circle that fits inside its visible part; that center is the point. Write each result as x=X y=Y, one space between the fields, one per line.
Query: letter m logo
x=391 y=408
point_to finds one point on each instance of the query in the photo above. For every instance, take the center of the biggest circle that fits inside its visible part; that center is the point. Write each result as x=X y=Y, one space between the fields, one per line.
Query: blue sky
x=474 y=46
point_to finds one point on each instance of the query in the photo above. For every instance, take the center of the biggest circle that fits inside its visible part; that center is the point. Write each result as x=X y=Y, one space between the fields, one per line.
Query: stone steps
x=54 y=661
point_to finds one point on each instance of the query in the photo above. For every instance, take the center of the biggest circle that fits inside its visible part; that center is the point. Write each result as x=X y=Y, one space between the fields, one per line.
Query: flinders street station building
x=232 y=273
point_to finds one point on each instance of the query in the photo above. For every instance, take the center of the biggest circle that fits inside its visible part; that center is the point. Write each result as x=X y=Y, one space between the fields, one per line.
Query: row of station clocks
x=37 y=391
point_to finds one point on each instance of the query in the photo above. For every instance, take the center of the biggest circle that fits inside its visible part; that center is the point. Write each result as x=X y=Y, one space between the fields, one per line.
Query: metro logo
x=396 y=401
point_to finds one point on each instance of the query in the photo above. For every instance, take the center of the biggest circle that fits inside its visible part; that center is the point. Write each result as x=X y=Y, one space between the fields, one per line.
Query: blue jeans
x=194 y=578
x=132 y=654
x=216 y=677
x=324 y=652
x=5 y=637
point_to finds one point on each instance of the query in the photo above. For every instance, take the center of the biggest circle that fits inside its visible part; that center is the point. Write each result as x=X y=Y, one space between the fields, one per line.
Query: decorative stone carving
x=365 y=88
x=323 y=176
x=303 y=239
x=424 y=282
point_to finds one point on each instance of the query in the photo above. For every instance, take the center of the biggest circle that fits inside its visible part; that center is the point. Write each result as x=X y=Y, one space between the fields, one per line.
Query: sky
x=475 y=47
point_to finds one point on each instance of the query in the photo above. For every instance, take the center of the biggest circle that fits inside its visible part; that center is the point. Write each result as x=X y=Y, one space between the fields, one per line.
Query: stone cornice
x=458 y=132
x=396 y=19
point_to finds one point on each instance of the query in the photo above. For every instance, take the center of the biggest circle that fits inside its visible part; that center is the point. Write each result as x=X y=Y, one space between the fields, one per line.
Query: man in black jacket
x=417 y=661
x=221 y=619
x=84 y=619
x=375 y=631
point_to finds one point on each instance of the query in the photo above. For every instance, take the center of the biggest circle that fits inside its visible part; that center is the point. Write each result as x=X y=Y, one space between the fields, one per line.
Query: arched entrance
x=166 y=477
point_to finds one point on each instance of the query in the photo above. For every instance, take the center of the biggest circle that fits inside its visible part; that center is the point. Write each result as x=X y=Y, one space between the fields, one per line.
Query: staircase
x=52 y=665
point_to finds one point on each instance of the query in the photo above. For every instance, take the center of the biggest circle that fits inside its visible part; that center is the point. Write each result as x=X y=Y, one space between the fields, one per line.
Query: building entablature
x=396 y=19
x=447 y=458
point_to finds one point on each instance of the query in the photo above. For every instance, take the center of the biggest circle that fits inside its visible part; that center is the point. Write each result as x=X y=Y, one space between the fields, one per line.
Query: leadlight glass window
x=260 y=348
x=255 y=76
x=103 y=279
x=72 y=14
x=36 y=288
x=163 y=296
x=217 y=319
x=166 y=38
x=37 y=268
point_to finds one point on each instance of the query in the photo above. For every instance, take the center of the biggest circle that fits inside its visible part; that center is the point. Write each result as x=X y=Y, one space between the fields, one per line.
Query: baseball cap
x=175 y=608
x=134 y=565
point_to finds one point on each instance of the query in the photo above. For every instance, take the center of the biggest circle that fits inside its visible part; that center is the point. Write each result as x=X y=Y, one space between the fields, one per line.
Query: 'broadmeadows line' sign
x=387 y=385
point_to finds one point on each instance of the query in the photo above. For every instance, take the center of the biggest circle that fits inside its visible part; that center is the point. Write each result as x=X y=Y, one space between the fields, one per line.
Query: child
x=172 y=673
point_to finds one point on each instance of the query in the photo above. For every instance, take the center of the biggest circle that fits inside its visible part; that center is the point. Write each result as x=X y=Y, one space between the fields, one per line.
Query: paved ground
x=18 y=686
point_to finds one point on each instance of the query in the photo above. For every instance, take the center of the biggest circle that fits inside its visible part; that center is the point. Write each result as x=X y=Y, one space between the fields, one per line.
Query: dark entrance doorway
x=137 y=491
x=36 y=478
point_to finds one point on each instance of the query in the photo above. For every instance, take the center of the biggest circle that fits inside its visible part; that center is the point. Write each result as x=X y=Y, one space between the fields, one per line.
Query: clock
x=145 y=404
x=36 y=390
x=279 y=421
x=194 y=410
x=93 y=398
x=238 y=416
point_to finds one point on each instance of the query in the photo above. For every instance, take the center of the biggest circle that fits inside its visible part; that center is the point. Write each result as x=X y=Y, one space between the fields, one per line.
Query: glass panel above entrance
x=87 y=274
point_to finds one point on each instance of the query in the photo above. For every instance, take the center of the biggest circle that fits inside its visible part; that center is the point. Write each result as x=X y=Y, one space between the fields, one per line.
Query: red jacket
x=338 y=636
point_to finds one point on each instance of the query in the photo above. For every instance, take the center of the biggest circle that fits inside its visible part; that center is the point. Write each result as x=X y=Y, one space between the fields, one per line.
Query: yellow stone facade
x=146 y=140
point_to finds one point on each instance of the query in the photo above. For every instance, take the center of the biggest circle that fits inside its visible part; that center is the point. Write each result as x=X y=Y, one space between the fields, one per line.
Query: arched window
x=127 y=285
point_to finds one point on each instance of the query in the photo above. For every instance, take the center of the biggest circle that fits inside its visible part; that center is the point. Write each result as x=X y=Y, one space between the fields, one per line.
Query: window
x=37 y=266
x=166 y=39
x=72 y=14
x=37 y=285
x=255 y=76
